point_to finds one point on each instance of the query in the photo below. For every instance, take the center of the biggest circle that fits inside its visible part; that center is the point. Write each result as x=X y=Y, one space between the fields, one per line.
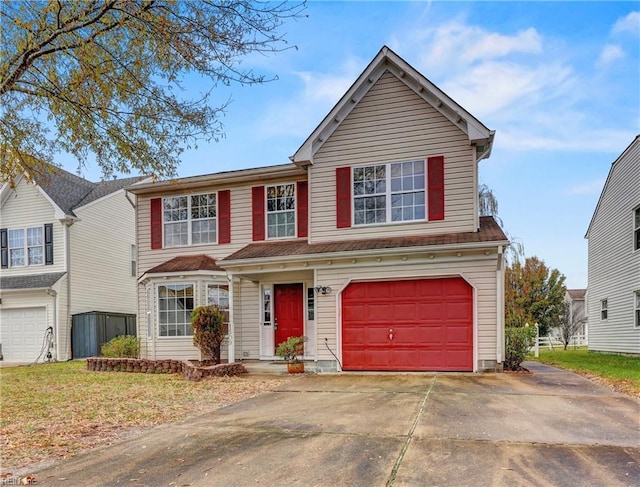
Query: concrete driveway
x=549 y=428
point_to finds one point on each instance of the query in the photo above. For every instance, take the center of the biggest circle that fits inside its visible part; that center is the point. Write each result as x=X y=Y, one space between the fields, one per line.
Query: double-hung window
x=604 y=309
x=392 y=192
x=175 y=304
x=636 y=229
x=218 y=295
x=281 y=211
x=189 y=220
x=637 y=308
x=26 y=246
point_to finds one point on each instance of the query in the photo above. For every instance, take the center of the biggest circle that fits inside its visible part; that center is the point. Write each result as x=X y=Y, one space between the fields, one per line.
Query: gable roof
x=68 y=191
x=187 y=263
x=388 y=61
x=635 y=141
x=490 y=232
x=576 y=294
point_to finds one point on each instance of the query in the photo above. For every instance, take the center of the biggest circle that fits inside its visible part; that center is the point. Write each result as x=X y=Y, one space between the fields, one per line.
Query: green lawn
x=56 y=410
x=620 y=371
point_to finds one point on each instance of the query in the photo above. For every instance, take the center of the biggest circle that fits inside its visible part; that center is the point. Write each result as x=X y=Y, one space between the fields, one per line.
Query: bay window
x=175 y=305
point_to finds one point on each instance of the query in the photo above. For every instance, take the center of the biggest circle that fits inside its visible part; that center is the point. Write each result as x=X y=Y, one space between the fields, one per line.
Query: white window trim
x=157 y=305
x=206 y=297
x=634 y=229
x=25 y=246
x=604 y=306
x=636 y=308
x=388 y=193
x=267 y=212
x=189 y=221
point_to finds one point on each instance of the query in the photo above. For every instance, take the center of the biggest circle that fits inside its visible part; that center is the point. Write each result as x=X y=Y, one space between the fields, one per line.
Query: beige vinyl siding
x=480 y=272
x=248 y=321
x=614 y=267
x=100 y=263
x=241 y=227
x=392 y=123
x=28 y=207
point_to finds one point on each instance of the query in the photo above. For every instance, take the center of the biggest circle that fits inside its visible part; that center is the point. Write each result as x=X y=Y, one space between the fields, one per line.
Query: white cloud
x=502 y=89
x=303 y=109
x=628 y=24
x=456 y=44
x=610 y=53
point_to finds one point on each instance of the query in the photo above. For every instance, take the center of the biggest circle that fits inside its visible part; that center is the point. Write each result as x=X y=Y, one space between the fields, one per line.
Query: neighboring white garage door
x=21 y=333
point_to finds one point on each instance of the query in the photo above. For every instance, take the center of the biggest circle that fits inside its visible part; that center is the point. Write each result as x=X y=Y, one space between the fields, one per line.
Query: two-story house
x=67 y=248
x=369 y=242
x=613 y=297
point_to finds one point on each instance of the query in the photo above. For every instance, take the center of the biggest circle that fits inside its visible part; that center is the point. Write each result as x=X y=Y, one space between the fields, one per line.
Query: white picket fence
x=553 y=341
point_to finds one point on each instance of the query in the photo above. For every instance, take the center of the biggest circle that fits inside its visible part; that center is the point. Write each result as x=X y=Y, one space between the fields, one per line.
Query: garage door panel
x=22 y=332
x=431 y=322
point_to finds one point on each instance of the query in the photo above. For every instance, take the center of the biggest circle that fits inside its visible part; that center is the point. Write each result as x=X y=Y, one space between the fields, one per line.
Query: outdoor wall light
x=322 y=289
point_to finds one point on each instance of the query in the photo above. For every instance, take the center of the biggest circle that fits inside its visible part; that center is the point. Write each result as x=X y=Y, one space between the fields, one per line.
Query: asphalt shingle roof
x=489 y=231
x=69 y=191
x=34 y=281
x=187 y=263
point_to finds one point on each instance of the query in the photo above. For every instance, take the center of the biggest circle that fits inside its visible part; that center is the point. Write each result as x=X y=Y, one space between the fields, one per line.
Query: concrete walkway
x=549 y=428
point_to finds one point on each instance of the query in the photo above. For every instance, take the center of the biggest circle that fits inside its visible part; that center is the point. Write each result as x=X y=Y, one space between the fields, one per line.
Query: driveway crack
x=405 y=447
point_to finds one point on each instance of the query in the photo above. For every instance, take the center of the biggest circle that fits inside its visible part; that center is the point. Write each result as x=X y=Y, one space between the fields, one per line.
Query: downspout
x=66 y=222
x=500 y=305
x=54 y=296
x=231 y=331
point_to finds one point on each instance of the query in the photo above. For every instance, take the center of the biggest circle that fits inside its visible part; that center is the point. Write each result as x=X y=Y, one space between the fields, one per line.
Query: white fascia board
x=354 y=254
x=218 y=179
x=387 y=60
x=169 y=275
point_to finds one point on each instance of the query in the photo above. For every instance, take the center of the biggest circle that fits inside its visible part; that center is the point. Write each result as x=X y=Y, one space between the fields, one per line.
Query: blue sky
x=559 y=82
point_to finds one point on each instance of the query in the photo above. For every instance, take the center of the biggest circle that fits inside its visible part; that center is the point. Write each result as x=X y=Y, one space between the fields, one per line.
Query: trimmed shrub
x=122 y=346
x=518 y=342
x=209 y=330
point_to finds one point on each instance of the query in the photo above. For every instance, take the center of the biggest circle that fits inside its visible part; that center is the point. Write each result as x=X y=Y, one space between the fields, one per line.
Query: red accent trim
x=257 y=207
x=156 y=223
x=303 y=208
x=224 y=216
x=435 y=185
x=343 y=197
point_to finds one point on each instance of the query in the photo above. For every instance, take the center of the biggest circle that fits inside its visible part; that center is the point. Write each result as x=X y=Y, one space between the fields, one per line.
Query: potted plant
x=290 y=350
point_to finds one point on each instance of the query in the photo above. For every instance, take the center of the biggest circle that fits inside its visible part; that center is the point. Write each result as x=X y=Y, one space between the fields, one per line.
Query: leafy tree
x=534 y=294
x=209 y=330
x=488 y=206
x=120 y=79
x=571 y=322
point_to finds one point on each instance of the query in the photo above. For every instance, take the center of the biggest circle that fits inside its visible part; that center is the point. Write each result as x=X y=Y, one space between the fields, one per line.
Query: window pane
x=16 y=256
x=175 y=304
x=34 y=236
x=36 y=256
x=16 y=238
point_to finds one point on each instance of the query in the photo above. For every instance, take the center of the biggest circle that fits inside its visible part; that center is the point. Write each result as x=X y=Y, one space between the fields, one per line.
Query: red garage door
x=424 y=324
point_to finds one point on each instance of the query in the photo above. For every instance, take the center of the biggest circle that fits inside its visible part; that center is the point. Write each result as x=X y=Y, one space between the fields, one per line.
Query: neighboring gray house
x=613 y=299
x=67 y=247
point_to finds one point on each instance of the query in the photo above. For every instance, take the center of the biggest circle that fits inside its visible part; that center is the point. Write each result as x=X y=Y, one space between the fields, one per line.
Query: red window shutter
x=302 y=208
x=156 y=223
x=435 y=186
x=224 y=216
x=257 y=206
x=343 y=197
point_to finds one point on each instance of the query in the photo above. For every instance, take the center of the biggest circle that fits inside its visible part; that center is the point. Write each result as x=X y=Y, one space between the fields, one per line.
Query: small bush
x=518 y=342
x=122 y=346
x=209 y=330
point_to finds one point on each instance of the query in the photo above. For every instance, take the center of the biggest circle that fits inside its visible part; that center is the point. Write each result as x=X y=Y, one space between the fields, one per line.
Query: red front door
x=289 y=311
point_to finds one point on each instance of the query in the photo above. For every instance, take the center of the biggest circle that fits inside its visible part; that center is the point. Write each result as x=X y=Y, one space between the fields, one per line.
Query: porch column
x=231 y=337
